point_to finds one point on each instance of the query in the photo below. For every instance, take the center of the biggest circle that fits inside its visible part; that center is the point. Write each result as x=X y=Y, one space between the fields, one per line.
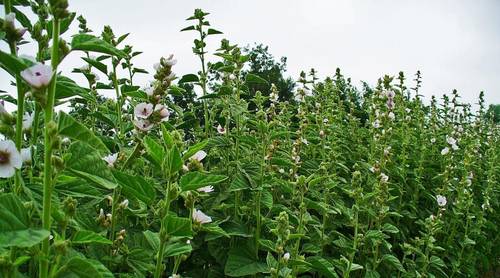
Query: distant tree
x=263 y=64
x=494 y=112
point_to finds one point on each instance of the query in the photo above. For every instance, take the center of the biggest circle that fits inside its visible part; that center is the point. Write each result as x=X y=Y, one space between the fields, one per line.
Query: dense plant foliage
x=337 y=181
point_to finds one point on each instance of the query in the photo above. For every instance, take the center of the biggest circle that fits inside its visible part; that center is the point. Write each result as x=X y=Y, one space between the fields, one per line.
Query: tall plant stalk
x=47 y=171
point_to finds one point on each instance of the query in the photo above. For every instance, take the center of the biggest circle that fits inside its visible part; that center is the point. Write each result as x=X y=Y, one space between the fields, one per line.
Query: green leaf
x=177 y=248
x=86 y=42
x=86 y=237
x=389 y=228
x=173 y=161
x=189 y=78
x=177 y=226
x=255 y=79
x=15 y=224
x=96 y=64
x=194 y=149
x=393 y=261
x=73 y=129
x=153 y=240
x=86 y=163
x=136 y=187
x=211 y=31
x=66 y=88
x=80 y=267
x=322 y=266
x=12 y=64
x=195 y=180
x=241 y=262
x=154 y=149
x=188 y=28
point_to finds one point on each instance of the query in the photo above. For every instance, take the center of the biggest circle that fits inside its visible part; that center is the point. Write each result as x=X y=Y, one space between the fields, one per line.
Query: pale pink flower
x=37 y=76
x=200 y=217
x=111 y=159
x=441 y=200
x=10 y=159
x=221 y=129
x=143 y=110
x=199 y=155
x=143 y=125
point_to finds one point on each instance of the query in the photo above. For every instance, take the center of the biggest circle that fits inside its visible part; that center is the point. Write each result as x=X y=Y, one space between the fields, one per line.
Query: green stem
x=354 y=245
x=118 y=103
x=163 y=233
x=47 y=171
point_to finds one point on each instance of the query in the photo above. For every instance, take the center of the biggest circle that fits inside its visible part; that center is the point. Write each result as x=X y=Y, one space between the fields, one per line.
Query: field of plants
x=239 y=179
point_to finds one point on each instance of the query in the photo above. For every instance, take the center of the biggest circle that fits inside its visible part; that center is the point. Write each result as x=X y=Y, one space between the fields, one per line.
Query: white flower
x=221 y=129
x=10 y=159
x=445 y=151
x=157 y=66
x=206 y=189
x=408 y=110
x=454 y=147
x=111 y=159
x=384 y=178
x=391 y=115
x=143 y=125
x=188 y=241
x=286 y=256
x=325 y=120
x=281 y=171
x=433 y=140
x=124 y=204
x=232 y=76
x=143 y=110
x=28 y=120
x=200 y=217
x=441 y=200
x=170 y=61
x=37 y=76
x=163 y=112
x=376 y=124
x=96 y=77
x=185 y=168
x=26 y=155
x=304 y=141
x=175 y=276
x=321 y=133
x=199 y=155
x=451 y=140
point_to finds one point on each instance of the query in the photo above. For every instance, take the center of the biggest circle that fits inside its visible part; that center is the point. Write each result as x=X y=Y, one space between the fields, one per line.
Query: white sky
x=454 y=43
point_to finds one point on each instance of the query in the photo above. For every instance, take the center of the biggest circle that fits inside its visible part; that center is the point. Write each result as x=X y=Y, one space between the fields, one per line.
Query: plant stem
x=163 y=238
x=47 y=171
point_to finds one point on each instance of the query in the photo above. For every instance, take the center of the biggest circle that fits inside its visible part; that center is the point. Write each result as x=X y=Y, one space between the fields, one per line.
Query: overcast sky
x=455 y=43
